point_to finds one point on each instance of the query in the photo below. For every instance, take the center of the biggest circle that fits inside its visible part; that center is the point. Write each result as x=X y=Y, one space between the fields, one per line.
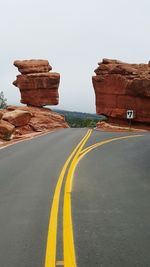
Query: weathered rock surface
x=32 y=66
x=109 y=127
x=28 y=120
x=120 y=87
x=38 y=86
x=17 y=117
x=44 y=119
x=6 y=130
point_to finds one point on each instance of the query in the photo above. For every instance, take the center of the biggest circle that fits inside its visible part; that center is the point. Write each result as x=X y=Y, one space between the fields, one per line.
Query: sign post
x=130 y=116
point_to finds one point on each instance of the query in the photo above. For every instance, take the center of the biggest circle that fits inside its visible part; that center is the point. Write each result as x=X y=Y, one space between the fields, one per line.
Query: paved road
x=110 y=199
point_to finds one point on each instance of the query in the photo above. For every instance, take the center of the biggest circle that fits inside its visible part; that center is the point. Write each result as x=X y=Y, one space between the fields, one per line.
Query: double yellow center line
x=68 y=240
x=69 y=254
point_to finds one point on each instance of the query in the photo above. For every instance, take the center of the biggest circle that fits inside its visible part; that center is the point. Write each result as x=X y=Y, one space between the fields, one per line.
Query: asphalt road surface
x=86 y=205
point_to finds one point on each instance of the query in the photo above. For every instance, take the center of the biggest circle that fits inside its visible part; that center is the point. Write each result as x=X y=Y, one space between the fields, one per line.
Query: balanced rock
x=38 y=86
x=120 y=87
x=17 y=117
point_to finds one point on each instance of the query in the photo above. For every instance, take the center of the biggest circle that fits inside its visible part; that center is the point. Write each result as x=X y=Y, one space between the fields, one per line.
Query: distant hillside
x=80 y=119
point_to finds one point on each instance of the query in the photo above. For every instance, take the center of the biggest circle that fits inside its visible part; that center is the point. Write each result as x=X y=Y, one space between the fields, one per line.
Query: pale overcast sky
x=74 y=35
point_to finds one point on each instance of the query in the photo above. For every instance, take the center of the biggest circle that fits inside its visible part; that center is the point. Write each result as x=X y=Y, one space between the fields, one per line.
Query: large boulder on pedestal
x=38 y=86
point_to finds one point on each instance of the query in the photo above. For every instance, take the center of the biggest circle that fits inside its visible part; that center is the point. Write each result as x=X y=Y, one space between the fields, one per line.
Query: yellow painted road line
x=87 y=149
x=50 y=257
x=69 y=251
x=90 y=148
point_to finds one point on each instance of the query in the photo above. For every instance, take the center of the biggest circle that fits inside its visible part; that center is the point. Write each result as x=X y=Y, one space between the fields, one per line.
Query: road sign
x=130 y=114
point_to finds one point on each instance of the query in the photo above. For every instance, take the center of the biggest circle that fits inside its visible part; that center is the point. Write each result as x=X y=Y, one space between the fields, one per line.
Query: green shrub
x=3 y=103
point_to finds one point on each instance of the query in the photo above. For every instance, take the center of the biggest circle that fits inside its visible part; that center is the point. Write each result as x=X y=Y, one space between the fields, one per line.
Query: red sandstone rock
x=110 y=61
x=17 y=117
x=37 y=88
x=42 y=120
x=104 y=126
x=32 y=66
x=6 y=130
x=120 y=86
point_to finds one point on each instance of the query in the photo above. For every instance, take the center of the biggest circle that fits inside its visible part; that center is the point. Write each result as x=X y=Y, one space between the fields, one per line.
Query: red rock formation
x=43 y=119
x=38 y=86
x=18 y=122
x=6 y=130
x=32 y=66
x=120 y=87
x=110 y=127
x=17 y=117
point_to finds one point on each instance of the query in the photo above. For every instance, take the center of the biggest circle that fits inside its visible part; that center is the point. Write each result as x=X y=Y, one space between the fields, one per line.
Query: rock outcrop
x=42 y=120
x=120 y=87
x=18 y=122
x=17 y=117
x=38 y=86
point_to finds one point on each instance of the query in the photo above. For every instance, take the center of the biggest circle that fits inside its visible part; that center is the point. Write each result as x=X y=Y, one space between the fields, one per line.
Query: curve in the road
x=88 y=149
x=68 y=240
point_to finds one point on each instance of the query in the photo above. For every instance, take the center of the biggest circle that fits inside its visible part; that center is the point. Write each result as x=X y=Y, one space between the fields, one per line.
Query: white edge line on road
x=26 y=139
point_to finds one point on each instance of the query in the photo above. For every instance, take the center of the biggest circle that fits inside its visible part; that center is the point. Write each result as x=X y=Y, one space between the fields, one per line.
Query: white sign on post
x=130 y=114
